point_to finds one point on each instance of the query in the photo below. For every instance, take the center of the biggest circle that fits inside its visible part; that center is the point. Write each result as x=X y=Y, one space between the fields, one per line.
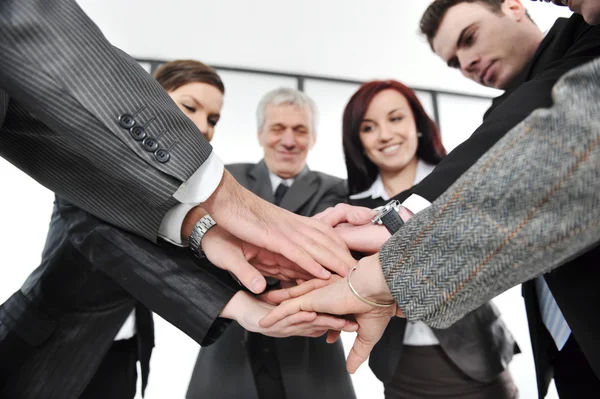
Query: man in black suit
x=85 y=120
x=250 y=365
x=480 y=39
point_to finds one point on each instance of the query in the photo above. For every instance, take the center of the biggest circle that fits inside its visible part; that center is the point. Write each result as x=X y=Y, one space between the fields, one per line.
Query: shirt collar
x=276 y=180
x=377 y=189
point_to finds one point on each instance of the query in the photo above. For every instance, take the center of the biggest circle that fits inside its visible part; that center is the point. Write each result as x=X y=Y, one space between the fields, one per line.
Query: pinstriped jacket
x=63 y=88
x=528 y=206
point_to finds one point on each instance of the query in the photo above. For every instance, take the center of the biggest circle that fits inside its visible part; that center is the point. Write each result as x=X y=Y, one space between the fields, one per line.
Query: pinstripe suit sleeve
x=527 y=206
x=68 y=87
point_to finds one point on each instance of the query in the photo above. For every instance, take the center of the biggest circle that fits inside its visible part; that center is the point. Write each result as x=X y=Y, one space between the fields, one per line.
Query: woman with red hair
x=390 y=144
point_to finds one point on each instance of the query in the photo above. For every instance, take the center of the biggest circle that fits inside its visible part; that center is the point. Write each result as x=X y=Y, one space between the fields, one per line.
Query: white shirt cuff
x=170 y=227
x=202 y=183
x=415 y=203
x=192 y=192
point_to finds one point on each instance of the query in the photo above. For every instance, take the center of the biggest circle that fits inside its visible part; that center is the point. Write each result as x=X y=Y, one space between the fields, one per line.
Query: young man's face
x=486 y=46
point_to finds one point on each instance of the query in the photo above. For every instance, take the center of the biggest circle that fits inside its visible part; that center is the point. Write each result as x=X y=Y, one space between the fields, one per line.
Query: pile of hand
x=312 y=259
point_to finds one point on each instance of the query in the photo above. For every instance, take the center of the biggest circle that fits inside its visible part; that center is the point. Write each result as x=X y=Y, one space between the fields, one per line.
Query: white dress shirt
x=418 y=333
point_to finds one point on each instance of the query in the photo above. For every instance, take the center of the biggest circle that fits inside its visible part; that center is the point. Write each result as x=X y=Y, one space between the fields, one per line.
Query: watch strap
x=392 y=221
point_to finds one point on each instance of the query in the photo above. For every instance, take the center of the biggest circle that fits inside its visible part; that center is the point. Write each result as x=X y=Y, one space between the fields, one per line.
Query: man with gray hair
x=244 y=364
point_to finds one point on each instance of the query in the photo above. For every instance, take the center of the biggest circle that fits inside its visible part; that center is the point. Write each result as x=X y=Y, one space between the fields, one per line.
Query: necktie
x=551 y=315
x=145 y=334
x=280 y=193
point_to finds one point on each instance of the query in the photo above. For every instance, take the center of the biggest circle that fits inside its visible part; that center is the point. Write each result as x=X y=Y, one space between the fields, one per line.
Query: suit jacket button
x=150 y=144
x=162 y=155
x=138 y=133
x=126 y=121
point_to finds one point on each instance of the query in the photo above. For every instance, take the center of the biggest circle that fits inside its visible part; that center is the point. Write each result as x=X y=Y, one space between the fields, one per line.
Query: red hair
x=361 y=171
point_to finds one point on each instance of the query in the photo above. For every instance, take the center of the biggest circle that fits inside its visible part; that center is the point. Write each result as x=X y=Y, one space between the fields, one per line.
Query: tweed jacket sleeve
x=64 y=94
x=527 y=206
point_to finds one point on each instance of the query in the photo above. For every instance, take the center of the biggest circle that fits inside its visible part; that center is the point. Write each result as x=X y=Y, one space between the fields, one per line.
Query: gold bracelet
x=365 y=300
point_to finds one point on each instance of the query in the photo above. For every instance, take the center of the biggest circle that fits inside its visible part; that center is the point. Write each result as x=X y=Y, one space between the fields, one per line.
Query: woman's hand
x=248 y=310
x=353 y=224
x=337 y=298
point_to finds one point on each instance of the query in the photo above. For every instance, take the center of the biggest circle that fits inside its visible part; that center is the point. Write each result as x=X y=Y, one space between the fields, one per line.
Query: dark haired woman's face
x=388 y=131
x=201 y=103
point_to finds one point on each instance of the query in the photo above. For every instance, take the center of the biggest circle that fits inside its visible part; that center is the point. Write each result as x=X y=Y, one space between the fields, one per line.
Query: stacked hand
x=334 y=297
x=254 y=238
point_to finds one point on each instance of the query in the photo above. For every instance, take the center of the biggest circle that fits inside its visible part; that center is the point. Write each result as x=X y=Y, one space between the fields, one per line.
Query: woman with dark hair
x=197 y=90
x=390 y=144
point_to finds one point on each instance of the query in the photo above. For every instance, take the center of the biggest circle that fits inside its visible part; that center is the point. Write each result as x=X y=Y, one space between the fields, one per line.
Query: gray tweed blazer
x=527 y=206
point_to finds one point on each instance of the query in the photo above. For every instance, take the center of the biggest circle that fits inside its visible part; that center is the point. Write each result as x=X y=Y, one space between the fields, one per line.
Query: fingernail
x=325 y=274
x=256 y=285
x=352 y=217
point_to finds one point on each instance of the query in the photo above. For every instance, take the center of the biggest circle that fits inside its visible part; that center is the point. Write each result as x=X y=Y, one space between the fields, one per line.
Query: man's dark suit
x=568 y=44
x=64 y=96
x=56 y=330
x=310 y=368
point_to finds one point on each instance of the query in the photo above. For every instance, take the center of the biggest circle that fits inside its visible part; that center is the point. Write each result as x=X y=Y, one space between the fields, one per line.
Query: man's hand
x=247 y=311
x=306 y=242
x=248 y=263
x=336 y=298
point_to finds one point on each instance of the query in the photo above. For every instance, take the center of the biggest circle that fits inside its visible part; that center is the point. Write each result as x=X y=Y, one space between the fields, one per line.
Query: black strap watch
x=388 y=216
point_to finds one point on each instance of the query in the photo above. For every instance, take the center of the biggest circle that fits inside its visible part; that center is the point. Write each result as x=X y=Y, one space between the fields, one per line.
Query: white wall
x=351 y=39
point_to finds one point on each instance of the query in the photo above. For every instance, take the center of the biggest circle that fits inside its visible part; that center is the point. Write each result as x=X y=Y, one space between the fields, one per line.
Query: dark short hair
x=434 y=15
x=175 y=74
x=362 y=172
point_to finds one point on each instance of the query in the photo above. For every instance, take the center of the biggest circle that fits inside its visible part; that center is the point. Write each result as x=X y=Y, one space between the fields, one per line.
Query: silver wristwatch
x=200 y=228
x=388 y=216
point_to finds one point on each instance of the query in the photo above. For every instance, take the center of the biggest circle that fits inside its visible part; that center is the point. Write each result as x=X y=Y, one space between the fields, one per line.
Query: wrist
x=405 y=213
x=190 y=220
x=234 y=308
x=369 y=281
x=224 y=195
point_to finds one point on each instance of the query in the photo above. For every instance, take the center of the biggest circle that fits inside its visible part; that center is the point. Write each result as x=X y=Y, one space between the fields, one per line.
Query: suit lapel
x=259 y=182
x=302 y=190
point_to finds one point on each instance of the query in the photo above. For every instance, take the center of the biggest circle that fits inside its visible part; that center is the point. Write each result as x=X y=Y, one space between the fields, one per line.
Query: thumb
x=359 y=216
x=358 y=354
x=247 y=274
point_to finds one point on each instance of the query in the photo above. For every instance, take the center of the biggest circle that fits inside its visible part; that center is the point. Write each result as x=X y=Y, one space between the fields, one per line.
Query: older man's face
x=286 y=138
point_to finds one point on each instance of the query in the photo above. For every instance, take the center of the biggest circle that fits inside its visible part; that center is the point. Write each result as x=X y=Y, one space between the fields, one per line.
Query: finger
x=295 y=319
x=356 y=215
x=298 y=253
x=268 y=298
x=282 y=311
x=294 y=273
x=275 y=296
x=247 y=274
x=323 y=249
x=334 y=323
x=358 y=354
x=278 y=296
x=333 y=336
x=310 y=285
x=367 y=239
